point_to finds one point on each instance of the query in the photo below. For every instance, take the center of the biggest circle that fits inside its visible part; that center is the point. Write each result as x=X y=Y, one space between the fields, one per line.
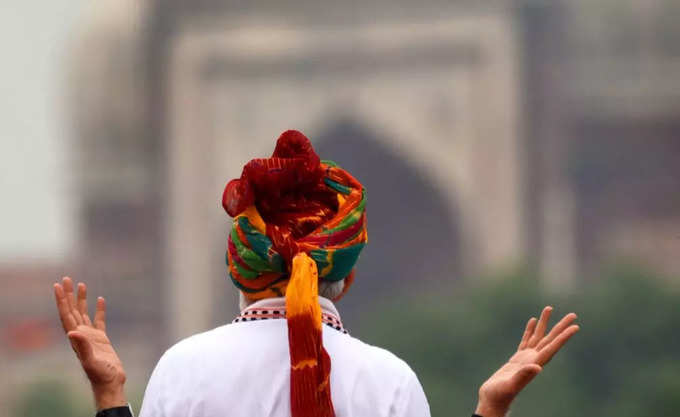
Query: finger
x=524 y=376
x=68 y=289
x=556 y=330
x=82 y=303
x=81 y=345
x=545 y=354
x=540 y=327
x=68 y=322
x=528 y=332
x=100 y=314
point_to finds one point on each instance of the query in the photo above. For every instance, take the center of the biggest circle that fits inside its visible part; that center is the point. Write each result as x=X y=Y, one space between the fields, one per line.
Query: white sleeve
x=413 y=400
x=154 y=402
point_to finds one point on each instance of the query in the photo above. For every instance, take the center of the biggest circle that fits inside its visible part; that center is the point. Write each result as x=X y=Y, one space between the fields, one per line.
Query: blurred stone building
x=603 y=135
x=489 y=135
x=424 y=109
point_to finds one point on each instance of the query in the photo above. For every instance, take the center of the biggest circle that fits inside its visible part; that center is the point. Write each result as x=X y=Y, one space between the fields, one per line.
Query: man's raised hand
x=534 y=351
x=91 y=344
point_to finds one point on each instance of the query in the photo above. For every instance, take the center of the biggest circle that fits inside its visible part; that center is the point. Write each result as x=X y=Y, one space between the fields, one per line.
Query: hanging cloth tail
x=310 y=365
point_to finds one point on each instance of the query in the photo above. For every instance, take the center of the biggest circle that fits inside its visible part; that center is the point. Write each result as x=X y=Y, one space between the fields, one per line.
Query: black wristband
x=476 y=415
x=115 y=412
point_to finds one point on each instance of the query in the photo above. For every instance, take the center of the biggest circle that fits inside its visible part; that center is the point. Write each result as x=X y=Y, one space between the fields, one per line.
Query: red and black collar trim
x=256 y=314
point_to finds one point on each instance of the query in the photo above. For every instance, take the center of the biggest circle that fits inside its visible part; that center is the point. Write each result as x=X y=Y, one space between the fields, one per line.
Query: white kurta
x=243 y=370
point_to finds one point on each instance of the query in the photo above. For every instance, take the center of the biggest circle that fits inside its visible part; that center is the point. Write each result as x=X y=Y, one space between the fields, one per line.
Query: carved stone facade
x=480 y=131
x=442 y=97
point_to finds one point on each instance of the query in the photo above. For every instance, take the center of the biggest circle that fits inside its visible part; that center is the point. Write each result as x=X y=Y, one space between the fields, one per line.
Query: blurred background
x=515 y=154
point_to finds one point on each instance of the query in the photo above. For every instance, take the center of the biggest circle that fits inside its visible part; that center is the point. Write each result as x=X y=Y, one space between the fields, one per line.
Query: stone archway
x=439 y=105
x=413 y=238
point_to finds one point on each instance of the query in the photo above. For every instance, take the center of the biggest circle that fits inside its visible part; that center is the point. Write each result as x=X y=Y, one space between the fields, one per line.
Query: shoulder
x=371 y=358
x=367 y=374
x=229 y=341
x=199 y=344
x=406 y=394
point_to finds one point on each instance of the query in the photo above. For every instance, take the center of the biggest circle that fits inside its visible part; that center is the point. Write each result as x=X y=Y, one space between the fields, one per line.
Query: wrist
x=109 y=396
x=486 y=409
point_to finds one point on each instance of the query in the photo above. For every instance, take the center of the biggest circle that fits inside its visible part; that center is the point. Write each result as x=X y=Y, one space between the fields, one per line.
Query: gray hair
x=327 y=289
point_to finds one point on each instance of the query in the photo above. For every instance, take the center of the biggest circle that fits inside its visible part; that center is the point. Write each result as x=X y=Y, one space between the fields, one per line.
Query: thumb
x=81 y=345
x=525 y=375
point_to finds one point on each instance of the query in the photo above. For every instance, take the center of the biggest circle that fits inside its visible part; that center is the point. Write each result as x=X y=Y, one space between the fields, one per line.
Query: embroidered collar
x=275 y=308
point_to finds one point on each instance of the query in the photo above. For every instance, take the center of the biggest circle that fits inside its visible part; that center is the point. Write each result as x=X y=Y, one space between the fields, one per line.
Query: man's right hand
x=534 y=352
x=90 y=342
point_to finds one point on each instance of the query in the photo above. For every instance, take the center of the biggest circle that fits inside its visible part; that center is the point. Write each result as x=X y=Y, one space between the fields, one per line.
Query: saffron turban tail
x=297 y=220
x=310 y=365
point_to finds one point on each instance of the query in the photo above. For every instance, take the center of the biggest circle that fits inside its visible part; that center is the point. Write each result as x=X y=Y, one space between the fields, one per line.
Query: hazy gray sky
x=36 y=219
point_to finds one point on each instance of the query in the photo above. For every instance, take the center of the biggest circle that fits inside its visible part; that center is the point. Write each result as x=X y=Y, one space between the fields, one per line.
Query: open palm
x=88 y=339
x=534 y=351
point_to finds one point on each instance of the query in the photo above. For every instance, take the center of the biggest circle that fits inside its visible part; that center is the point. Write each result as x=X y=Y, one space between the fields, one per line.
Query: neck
x=280 y=303
x=329 y=290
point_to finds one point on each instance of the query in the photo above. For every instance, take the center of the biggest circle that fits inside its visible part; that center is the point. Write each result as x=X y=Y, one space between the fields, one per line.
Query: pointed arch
x=412 y=235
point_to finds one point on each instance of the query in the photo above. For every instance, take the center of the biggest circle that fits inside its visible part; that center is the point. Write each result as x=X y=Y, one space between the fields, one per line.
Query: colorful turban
x=297 y=220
